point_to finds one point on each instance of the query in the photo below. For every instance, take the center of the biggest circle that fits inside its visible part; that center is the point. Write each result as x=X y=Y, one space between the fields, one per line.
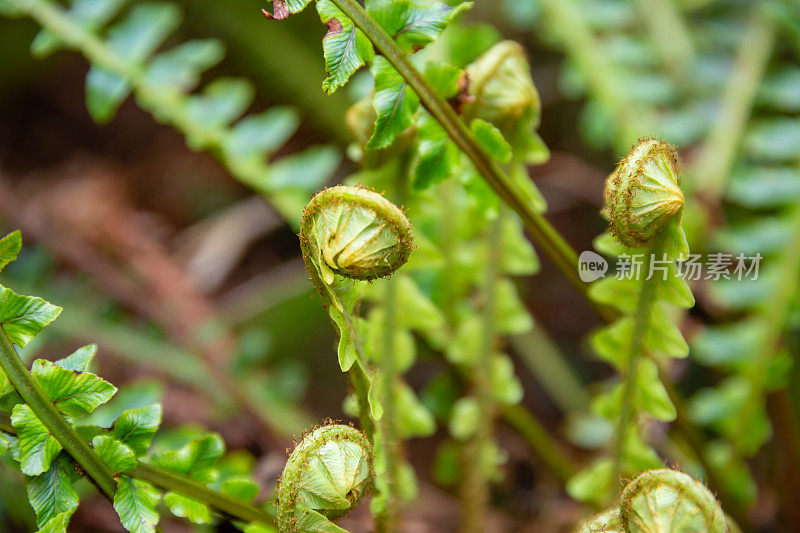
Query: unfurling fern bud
x=324 y=479
x=642 y=195
x=501 y=91
x=663 y=500
x=354 y=232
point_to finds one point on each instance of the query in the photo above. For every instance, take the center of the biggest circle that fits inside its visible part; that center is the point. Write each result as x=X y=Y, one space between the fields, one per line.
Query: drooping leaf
x=345 y=47
x=413 y=24
x=195 y=460
x=80 y=359
x=465 y=418
x=144 y=29
x=414 y=419
x=188 y=508
x=37 y=447
x=74 y=393
x=437 y=156
x=136 y=427
x=347 y=348
x=444 y=78
x=10 y=245
x=23 y=317
x=240 y=487
x=51 y=493
x=116 y=455
x=395 y=104
x=135 y=503
x=57 y=524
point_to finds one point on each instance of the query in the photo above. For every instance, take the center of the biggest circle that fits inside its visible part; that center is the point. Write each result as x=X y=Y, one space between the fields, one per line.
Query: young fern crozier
x=351 y=233
x=325 y=477
x=662 y=500
x=644 y=203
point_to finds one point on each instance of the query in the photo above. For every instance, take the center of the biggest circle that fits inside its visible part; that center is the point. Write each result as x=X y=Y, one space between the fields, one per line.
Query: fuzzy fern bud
x=642 y=195
x=502 y=92
x=663 y=500
x=354 y=232
x=325 y=477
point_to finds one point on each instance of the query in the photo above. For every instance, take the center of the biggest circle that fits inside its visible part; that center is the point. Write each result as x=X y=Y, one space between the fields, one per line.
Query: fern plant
x=447 y=132
x=659 y=500
x=43 y=432
x=644 y=202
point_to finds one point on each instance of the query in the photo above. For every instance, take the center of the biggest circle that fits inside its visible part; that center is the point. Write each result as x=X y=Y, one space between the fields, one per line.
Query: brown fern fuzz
x=642 y=194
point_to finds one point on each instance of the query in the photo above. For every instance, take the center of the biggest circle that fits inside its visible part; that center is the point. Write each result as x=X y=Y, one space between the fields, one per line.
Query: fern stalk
x=392 y=450
x=540 y=229
x=170 y=481
x=30 y=391
x=635 y=353
x=475 y=489
x=774 y=318
x=722 y=143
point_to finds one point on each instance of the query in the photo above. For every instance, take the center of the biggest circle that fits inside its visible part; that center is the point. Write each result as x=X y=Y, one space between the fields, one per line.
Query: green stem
x=167 y=480
x=585 y=49
x=236 y=509
x=475 y=486
x=33 y=394
x=669 y=34
x=634 y=354
x=391 y=443
x=720 y=149
x=774 y=317
x=551 y=368
x=540 y=441
x=540 y=229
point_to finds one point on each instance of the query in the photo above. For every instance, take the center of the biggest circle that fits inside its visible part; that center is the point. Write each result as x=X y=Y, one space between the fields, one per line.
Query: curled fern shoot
x=644 y=203
x=349 y=234
x=353 y=232
x=325 y=477
x=662 y=500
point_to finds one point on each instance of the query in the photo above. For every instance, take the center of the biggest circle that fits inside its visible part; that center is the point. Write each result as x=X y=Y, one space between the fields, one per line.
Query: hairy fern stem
x=635 y=353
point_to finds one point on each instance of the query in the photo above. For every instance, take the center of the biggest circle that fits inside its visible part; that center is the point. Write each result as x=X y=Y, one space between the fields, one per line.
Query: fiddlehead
x=645 y=205
x=325 y=477
x=356 y=234
x=353 y=232
x=662 y=500
x=642 y=196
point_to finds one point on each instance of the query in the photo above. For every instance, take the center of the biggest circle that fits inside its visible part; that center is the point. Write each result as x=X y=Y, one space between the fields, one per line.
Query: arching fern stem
x=540 y=229
x=30 y=391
